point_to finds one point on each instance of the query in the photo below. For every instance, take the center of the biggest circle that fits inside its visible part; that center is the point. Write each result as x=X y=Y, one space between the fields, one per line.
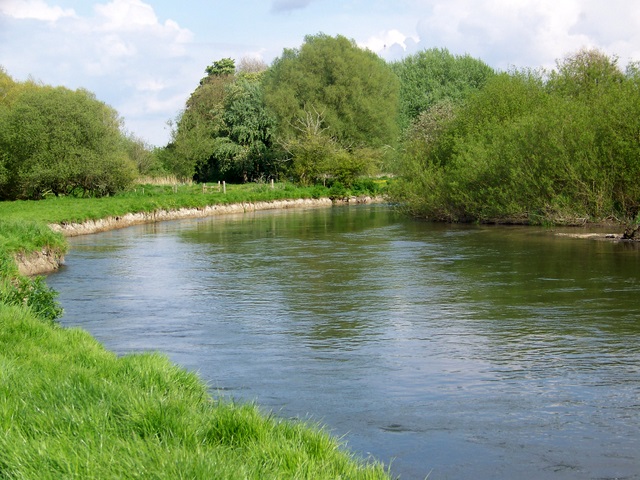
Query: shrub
x=32 y=293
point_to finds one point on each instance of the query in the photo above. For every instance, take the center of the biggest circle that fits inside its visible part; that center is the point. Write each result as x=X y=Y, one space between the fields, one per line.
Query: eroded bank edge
x=46 y=261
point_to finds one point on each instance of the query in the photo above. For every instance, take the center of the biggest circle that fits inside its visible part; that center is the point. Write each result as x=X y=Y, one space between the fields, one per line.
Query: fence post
x=224 y=187
x=272 y=187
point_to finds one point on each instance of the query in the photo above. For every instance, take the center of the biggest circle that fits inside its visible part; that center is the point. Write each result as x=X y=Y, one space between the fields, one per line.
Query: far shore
x=43 y=262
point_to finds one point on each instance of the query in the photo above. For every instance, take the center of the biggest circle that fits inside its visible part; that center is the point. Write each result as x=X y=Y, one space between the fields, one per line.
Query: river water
x=458 y=352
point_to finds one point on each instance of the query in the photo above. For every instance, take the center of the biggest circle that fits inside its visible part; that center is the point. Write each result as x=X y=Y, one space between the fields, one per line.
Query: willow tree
x=436 y=75
x=352 y=90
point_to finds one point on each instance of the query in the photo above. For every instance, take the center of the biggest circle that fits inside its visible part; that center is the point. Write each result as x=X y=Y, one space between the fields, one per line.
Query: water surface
x=458 y=352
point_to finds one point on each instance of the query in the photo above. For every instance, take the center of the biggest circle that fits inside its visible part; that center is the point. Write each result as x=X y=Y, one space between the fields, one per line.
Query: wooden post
x=224 y=187
x=218 y=185
x=272 y=187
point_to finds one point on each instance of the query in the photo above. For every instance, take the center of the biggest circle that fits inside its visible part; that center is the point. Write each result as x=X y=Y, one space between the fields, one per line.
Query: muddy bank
x=41 y=262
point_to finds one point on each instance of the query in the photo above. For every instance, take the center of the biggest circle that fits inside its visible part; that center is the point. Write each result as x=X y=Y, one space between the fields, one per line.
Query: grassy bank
x=71 y=409
x=148 y=198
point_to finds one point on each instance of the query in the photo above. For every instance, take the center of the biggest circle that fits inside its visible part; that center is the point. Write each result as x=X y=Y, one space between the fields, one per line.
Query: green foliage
x=197 y=127
x=353 y=89
x=338 y=191
x=54 y=140
x=435 y=75
x=248 y=128
x=221 y=68
x=524 y=148
x=585 y=73
x=225 y=131
x=32 y=293
x=143 y=156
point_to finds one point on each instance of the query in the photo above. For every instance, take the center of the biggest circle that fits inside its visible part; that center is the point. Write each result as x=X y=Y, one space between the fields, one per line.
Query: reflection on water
x=464 y=351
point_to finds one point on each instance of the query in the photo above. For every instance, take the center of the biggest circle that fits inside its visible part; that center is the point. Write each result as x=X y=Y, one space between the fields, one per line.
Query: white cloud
x=387 y=40
x=123 y=53
x=126 y=15
x=522 y=33
x=34 y=9
x=138 y=56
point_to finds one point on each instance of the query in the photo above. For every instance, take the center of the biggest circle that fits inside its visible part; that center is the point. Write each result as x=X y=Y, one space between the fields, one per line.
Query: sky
x=145 y=57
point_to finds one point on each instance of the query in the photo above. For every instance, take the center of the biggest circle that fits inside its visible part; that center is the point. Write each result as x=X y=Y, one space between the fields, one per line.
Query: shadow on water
x=464 y=351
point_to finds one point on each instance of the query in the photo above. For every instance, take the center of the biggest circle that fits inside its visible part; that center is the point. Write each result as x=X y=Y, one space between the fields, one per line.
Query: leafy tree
x=585 y=73
x=435 y=75
x=197 y=127
x=225 y=130
x=335 y=106
x=249 y=127
x=355 y=90
x=251 y=68
x=61 y=141
x=142 y=155
x=221 y=68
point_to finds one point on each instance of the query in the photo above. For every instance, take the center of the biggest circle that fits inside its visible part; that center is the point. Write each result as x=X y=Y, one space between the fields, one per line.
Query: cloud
x=34 y=9
x=279 y=6
x=391 y=44
x=526 y=33
x=121 y=51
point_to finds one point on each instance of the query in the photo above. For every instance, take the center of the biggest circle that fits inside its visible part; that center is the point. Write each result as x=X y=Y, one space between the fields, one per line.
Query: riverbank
x=45 y=260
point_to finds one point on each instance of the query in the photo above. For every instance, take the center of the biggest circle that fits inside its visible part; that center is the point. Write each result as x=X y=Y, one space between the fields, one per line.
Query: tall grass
x=71 y=409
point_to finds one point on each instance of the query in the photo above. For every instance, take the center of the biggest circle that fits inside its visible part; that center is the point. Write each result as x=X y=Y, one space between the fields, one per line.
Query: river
x=458 y=352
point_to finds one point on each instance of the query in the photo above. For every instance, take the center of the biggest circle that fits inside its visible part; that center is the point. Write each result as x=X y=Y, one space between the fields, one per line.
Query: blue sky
x=144 y=57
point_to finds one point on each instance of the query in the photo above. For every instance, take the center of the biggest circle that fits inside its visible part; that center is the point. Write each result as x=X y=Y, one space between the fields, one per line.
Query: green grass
x=71 y=409
x=24 y=237
x=144 y=198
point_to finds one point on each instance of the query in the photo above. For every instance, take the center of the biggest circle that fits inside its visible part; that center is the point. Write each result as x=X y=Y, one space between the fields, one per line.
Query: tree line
x=532 y=146
x=326 y=112
x=465 y=142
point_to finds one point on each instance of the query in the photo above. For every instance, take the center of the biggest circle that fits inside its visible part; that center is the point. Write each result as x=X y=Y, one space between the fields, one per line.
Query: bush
x=55 y=140
x=337 y=191
x=32 y=293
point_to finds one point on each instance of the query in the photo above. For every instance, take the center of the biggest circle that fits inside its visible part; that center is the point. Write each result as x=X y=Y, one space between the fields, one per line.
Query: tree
x=221 y=68
x=225 y=130
x=352 y=93
x=528 y=147
x=142 y=156
x=355 y=90
x=434 y=75
x=249 y=128
x=199 y=124
x=585 y=73
x=61 y=141
x=251 y=68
